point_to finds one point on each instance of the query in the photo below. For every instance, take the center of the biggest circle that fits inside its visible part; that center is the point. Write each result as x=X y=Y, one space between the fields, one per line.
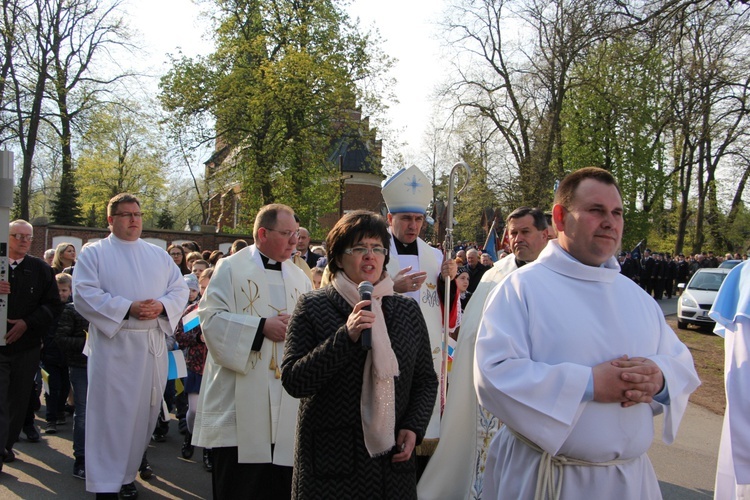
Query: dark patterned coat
x=195 y=358
x=324 y=368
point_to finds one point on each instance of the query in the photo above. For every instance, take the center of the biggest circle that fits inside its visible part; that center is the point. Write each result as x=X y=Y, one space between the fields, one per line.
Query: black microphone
x=365 y=293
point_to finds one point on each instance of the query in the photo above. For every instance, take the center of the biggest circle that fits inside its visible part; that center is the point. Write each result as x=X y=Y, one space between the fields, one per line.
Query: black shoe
x=32 y=435
x=61 y=421
x=182 y=426
x=158 y=438
x=145 y=471
x=187 y=447
x=129 y=491
x=51 y=428
x=79 y=471
x=9 y=456
x=208 y=462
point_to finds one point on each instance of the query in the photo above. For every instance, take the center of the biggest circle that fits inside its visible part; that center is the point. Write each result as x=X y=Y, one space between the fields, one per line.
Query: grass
x=708 y=355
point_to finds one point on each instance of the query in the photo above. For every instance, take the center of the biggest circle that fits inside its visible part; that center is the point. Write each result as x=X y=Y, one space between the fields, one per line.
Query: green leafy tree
x=277 y=89
x=615 y=119
x=122 y=151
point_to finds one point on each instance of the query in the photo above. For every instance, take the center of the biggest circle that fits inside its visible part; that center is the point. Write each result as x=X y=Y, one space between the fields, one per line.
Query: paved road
x=44 y=470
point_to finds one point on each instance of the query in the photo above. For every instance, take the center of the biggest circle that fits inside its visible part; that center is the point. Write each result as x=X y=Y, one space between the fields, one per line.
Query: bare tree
x=49 y=47
x=710 y=91
x=81 y=31
x=28 y=77
x=520 y=84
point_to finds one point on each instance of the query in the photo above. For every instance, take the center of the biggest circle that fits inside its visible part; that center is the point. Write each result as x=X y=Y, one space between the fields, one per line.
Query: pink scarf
x=378 y=402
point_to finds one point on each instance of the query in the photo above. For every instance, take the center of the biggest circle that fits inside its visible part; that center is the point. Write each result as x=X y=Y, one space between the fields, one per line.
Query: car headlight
x=688 y=301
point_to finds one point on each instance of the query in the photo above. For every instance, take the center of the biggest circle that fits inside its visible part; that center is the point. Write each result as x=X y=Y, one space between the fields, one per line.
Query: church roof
x=357 y=157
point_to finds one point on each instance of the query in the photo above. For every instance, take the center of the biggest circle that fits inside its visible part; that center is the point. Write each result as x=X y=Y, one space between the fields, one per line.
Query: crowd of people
x=323 y=371
x=660 y=274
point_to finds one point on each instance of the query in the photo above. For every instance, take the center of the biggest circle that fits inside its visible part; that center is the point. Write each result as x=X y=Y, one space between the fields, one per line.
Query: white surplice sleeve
x=737 y=340
x=504 y=373
x=676 y=364
x=228 y=331
x=175 y=297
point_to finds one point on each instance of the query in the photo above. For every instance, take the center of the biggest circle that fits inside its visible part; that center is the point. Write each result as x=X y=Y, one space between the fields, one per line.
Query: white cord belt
x=552 y=465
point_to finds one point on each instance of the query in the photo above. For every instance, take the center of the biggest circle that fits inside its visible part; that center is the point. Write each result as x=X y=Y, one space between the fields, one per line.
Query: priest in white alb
x=456 y=470
x=132 y=294
x=575 y=360
x=731 y=311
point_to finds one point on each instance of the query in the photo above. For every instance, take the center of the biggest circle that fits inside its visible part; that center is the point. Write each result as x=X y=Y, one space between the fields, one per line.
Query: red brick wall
x=356 y=197
x=45 y=234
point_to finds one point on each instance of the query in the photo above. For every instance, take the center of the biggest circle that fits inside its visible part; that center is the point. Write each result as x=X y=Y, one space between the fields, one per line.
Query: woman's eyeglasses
x=362 y=251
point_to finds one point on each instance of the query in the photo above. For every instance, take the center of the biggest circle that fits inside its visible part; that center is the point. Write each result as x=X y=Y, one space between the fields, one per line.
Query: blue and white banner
x=190 y=320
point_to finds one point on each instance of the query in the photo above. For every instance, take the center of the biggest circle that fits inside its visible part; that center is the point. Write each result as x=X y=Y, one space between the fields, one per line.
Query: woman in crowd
x=363 y=410
x=49 y=256
x=486 y=260
x=191 y=246
x=214 y=257
x=178 y=256
x=462 y=285
x=65 y=257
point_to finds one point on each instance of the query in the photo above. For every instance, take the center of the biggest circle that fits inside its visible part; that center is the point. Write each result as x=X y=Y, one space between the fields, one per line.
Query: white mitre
x=408 y=190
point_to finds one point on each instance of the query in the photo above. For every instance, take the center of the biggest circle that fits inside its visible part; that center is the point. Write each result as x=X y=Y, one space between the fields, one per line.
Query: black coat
x=312 y=258
x=475 y=276
x=35 y=299
x=683 y=271
x=71 y=336
x=324 y=368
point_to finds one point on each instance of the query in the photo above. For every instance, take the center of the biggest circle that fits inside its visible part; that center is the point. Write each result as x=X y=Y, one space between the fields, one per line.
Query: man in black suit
x=647 y=269
x=658 y=275
x=628 y=266
x=669 y=274
x=303 y=247
x=33 y=304
x=476 y=269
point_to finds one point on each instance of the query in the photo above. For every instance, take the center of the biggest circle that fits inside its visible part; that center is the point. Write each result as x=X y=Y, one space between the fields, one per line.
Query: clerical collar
x=270 y=263
x=405 y=248
x=520 y=263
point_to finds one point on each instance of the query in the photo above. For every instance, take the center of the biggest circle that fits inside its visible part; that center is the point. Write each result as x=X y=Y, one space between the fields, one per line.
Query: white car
x=698 y=297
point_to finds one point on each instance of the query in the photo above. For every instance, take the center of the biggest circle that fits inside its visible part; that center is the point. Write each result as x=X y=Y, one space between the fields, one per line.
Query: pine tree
x=166 y=220
x=92 y=219
x=66 y=208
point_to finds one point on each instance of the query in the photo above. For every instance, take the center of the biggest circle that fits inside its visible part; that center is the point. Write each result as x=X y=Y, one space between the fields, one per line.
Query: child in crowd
x=53 y=362
x=317 y=276
x=191 y=337
x=195 y=291
x=70 y=337
x=199 y=266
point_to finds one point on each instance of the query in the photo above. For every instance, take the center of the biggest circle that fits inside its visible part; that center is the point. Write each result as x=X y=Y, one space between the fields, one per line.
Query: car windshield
x=707 y=281
x=729 y=264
